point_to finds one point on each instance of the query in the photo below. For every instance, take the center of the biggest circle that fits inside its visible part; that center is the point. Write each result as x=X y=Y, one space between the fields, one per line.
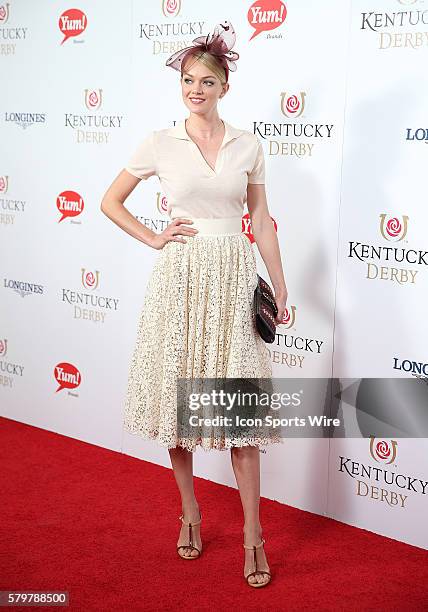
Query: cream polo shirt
x=191 y=186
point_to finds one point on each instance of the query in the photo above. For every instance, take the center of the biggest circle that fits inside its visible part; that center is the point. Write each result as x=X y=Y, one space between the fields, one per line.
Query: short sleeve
x=142 y=162
x=257 y=174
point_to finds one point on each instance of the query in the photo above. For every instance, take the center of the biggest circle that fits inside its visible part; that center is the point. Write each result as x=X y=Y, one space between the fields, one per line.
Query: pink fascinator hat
x=219 y=43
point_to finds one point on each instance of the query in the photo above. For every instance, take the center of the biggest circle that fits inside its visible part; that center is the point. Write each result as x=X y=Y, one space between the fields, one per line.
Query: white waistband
x=215 y=227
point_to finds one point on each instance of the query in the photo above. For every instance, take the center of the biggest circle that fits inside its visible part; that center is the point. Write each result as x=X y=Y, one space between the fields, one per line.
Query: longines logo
x=266 y=15
x=23 y=288
x=419 y=134
x=9 y=207
x=10 y=36
x=69 y=204
x=419 y=369
x=72 y=23
x=88 y=305
x=67 y=376
x=392 y=258
x=24 y=119
x=379 y=483
x=93 y=128
x=292 y=106
x=8 y=371
x=397 y=28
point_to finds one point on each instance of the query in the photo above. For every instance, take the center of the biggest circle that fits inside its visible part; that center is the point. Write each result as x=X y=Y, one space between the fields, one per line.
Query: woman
x=196 y=319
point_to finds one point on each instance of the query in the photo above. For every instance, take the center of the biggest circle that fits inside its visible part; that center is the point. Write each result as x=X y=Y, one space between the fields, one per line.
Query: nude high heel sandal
x=190 y=544
x=257 y=571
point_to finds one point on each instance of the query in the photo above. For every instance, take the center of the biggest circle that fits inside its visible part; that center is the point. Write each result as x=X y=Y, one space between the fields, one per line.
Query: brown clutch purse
x=265 y=310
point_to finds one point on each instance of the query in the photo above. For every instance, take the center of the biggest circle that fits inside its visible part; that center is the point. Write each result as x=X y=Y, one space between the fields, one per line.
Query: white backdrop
x=335 y=91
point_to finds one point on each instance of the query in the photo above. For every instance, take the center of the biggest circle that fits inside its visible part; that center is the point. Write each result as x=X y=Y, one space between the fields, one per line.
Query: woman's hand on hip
x=173 y=233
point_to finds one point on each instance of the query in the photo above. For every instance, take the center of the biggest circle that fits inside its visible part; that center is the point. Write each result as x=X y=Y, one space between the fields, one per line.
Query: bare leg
x=246 y=466
x=182 y=464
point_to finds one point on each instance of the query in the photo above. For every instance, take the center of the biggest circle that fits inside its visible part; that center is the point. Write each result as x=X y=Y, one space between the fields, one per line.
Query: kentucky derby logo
x=4 y=13
x=292 y=106
x=3 y=347
x=289 y=317
x=393 y=229
x=67 y=376
x=93 y=98
x=162 y=204
x=407 y=1
x=72 y=23
x=171 y=8
x=4 y=180
x=89 y=279
x=266 y=15
x=383 y=451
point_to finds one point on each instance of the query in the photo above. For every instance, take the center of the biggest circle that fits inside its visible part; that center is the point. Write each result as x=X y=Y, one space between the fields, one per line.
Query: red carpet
x=103 y=526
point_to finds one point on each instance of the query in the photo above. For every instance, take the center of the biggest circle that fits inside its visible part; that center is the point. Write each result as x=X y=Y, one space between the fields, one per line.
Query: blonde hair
x=210 y=61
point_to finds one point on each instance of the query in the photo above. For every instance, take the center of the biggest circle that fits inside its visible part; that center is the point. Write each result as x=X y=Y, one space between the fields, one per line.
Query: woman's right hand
x=170 y=233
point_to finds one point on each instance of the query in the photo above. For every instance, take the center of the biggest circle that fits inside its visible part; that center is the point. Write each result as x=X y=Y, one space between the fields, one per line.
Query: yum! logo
x=393 y=229
x=69 y=204
x=72 y=23
x=266 y=15
x=383 y=451
x=67 y=376
x=291 y=105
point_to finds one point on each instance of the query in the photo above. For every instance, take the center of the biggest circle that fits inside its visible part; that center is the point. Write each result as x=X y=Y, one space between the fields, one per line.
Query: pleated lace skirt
x=196 y=321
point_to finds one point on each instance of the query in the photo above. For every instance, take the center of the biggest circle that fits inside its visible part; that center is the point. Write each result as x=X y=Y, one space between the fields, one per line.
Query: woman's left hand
x=280 y=300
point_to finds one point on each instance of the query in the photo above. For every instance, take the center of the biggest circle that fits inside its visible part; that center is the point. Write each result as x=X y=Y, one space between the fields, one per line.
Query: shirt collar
x=179 y=131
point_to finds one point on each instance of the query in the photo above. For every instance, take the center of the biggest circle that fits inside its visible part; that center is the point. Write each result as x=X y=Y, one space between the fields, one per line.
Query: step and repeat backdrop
x=335 y=91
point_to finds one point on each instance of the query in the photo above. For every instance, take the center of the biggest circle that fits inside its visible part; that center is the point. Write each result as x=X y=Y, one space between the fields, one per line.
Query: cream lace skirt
x=196 y=322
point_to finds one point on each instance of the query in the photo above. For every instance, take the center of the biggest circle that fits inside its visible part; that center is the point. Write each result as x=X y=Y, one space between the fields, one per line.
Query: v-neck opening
x=215 y=169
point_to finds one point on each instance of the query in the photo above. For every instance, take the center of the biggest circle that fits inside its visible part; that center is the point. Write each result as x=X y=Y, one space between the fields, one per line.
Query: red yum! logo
x=69 y=204
x=67 y=376
x=246 y=227
x=266 y=15
x=72 y=23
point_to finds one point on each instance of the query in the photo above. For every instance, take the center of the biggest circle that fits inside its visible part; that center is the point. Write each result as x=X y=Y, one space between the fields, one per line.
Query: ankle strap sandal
x=190 y=546
x=256 y=571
